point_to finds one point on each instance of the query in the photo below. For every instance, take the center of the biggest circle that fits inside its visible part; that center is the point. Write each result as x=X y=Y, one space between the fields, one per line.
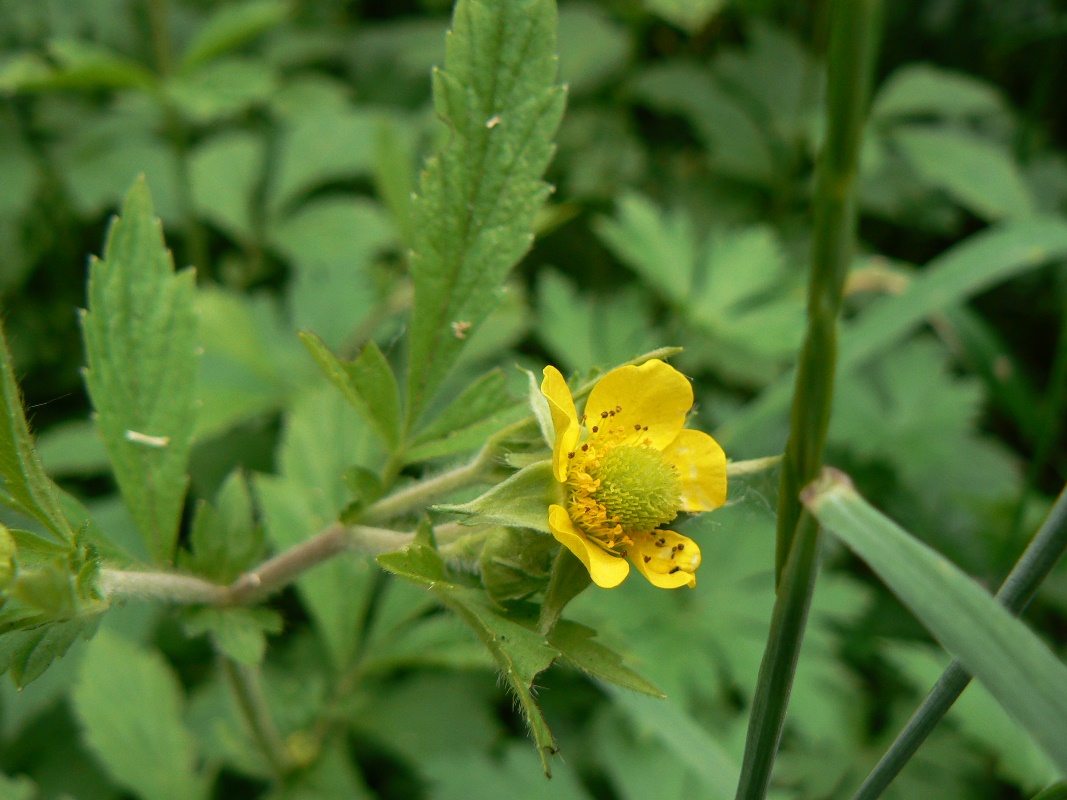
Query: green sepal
x=239 y=633
x=515 y=563
x=521 y=501
x=542 y=413
x=568 y=580
x=367 y=383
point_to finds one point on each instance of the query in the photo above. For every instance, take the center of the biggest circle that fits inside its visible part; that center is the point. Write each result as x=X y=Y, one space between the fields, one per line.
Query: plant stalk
x=244 y=680
x=853 y=28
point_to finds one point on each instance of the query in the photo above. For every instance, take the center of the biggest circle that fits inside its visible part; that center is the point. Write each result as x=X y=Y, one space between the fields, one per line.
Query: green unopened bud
x=638 y=487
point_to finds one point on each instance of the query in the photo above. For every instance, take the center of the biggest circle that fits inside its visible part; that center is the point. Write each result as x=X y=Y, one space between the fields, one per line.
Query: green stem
x=775 y=679
x=1018 y=589
x=423 y=493
x=165 y=586
x=854 y=24
x=244 y=680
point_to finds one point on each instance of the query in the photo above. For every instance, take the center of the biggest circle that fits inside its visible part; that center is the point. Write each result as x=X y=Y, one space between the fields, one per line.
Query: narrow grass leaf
x=141 y=343
x=25 y=481
x=479 y=195
x=999 y=650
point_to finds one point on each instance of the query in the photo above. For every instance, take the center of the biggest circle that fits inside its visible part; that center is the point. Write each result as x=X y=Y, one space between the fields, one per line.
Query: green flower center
x=638 y=488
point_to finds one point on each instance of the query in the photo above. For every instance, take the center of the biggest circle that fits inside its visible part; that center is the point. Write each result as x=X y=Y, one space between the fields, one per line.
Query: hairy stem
x=244 y=680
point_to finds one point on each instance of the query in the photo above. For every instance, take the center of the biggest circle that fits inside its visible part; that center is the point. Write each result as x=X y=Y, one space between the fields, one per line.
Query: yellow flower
x=628 y=466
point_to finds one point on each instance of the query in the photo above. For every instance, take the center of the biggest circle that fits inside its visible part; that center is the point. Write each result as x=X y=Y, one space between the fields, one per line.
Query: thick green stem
x=244 y=680
x=1018 y=589
x=854 y=24
x=421 y=494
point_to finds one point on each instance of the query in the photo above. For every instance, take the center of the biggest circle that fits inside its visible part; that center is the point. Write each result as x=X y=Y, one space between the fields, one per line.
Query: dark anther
x=637 y=427
x=596 y=428
x=585 y=447
x=647 y=559
x=645 y=428
x=618 y=408
x=681 y=547
x=661 y=542
x=603 y=414
x=570 y=454
x=676 y=569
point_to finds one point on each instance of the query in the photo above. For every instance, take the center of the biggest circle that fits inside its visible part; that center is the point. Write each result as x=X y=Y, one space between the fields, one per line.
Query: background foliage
x=282 y=143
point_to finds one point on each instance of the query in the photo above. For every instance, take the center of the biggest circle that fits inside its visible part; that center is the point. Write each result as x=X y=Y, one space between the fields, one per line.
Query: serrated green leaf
x=27 y=654
x=521 y=501
x=141 y=343
x=519 y=652
x=20 y=465
x=239 y=633
x=478 y=197
x=979 y=173
x=1000 y=651
x=367 y=383
x=468 y=420
x=231 y=26
x=577 y=648
x=130 y=703
x=660 y=246
x=225 y=539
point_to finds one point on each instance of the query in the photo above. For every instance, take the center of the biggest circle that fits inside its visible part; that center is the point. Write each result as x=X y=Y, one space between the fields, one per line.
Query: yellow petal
x=701 y=466
x=669 y=565
x=564 y=419
x=606 y=570
x=654 y=394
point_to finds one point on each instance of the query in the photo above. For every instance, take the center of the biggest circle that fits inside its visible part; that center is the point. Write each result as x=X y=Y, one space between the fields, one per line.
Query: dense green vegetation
x=284 y=148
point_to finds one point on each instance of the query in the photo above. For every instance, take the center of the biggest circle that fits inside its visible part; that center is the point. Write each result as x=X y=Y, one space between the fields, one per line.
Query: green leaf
x=690 y=15
x=468 y=420
x=27 y=654
x=231 y=26
x=221 y=89
x=140 y=340
x=521 y=501
x=999 y=650
x=73 y=448
x=478 y=197
x=130 y=703
x=661 y=246
x=367 y=383
x=577 y=648
x=592 y=47
x=225 y=172
x=519 y=653
x=925 y=89
x=978 y=173
x=332 y=243
x=20 y=465
x=323 y=437
x=225 y=539
x=239 y=633
x=976 y=263
x=86 y=65
x=334 y=776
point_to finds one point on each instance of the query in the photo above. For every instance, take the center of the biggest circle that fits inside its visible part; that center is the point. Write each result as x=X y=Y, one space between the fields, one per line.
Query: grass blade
x=1007 y=657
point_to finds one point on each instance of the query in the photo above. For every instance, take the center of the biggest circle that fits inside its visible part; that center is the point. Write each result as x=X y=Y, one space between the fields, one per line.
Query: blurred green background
x=281 y=142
